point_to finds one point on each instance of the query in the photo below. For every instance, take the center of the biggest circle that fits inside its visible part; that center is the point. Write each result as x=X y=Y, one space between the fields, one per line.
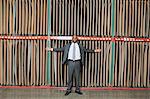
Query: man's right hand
x=50 y=49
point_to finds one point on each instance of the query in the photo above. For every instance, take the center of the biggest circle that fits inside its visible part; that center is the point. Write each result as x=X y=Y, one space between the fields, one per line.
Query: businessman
x=73 y=56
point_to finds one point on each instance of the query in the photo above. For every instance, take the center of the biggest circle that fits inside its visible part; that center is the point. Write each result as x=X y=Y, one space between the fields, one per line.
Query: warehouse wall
x=24 y=62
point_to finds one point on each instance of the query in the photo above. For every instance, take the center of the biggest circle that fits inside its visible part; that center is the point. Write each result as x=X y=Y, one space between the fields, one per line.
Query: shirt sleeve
x=87 y=50
x=59 y=49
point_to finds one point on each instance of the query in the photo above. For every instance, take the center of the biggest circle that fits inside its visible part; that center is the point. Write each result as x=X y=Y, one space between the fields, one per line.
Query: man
x=74 y=57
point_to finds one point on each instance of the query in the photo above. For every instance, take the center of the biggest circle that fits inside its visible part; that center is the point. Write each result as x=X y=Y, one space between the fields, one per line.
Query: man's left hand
x=97 y=50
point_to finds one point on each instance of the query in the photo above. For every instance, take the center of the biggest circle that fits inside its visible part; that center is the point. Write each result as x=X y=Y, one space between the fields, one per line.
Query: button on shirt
x=74 y=52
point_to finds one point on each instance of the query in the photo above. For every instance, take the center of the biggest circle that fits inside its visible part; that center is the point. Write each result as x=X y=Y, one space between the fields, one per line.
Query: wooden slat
x=101 y=63
x=142 y=63
x=117 y=45
x=80 y=31
x=148 y=77
x=22 y=43
x=120 y=19
x=54 y=31
x=96 y=73
x=120 y=65
x=107 y=63
x=7 y=44
x=63 y=16
x=55 y=65
x=1 y=9
x=104 y=65
x=86 y=67
x=88 y=18
x=139 y=18
x=55 y=43
x=102 y=80
x=19 y=32
x=137 y=65
x=109 y=18
x=74 y=5
x=93 y=45
x=102 y=20
x=25 y=44
x=1 y=64
x=148 y=19
x=123 y=46
x=61 y=67
x=144 y=19
x=84 y=15
x=66 y=18
x=105 y=17
x=98 y=43
x=147 y=30
x=38 y=45
x=64 y=3
x=129 y=60
x=10 y=46
x=117 y=17
x=52 y=66
x=133 y=66
x=32 y=45
x=129 y=32
x=122 y=62
x=5 y=28
x=78 y=16
x=41 y=45
x=116 y=65
x=89 y=43
x=29 y=45
x=44 y=43
x=35 y=42
x=127 y=17
x=133 y=5
x=64 y=32
x=1 y=68
x=15 y=81
x=125 y=64
x=135 y=19
x=145 y=65
x=59 y=42
x=69 y=17
x=123 y=20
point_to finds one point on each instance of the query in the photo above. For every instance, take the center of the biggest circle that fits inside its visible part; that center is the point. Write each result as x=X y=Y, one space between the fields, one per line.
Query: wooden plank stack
x=24 y=62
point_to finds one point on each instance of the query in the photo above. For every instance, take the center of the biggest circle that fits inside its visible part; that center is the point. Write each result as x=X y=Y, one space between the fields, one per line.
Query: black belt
x=74 y=60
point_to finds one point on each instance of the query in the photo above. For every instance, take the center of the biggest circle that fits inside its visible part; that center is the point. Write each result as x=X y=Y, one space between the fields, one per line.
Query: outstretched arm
x=91 y=51
x=88 y=50
x=56 y=49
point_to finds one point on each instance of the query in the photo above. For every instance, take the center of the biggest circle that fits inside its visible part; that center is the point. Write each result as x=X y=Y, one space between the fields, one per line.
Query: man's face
x=74 y=38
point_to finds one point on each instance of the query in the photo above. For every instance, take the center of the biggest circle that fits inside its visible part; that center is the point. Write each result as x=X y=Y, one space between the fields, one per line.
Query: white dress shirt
x=74 y=52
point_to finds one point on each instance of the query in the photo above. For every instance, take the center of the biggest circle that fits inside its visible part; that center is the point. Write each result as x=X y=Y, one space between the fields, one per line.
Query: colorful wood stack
x=24 y=62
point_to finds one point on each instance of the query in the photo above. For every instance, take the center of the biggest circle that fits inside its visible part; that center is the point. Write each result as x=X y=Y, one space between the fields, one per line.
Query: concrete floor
x=57 y=94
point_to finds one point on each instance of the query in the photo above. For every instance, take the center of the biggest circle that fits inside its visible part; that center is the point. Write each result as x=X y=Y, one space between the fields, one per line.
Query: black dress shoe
x=78 y=92
x=67 y=93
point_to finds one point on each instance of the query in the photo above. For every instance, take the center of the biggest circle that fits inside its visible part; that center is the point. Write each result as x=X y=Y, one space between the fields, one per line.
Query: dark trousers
x=74 y=67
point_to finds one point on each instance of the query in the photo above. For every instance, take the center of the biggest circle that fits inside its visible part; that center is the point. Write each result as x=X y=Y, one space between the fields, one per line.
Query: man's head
x=74 y=38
